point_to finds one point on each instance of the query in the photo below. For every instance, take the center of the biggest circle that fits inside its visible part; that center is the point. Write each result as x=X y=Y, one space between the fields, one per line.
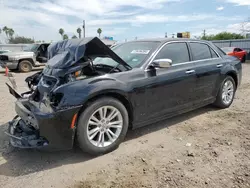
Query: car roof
x=163 y=40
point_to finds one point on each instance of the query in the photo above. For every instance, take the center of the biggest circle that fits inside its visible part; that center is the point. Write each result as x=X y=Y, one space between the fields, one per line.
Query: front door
x=171 y=90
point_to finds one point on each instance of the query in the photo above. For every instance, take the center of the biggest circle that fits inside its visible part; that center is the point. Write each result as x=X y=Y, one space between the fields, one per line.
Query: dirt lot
x=204 y=148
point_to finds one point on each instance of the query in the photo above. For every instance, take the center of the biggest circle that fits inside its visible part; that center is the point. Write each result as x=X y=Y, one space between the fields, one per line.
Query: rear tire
x=25 y=66
x=105 y=139
x=226 y=93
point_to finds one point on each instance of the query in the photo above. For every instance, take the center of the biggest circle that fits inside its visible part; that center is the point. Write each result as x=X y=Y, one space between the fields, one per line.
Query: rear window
x=200 y=51
x=220 y=51
x=214 y=55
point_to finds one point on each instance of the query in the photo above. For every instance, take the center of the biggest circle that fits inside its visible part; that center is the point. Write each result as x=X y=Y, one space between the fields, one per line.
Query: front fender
x=79 y=92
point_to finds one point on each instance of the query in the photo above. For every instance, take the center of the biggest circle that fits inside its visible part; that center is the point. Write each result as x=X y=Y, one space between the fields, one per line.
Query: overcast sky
x=122 y=19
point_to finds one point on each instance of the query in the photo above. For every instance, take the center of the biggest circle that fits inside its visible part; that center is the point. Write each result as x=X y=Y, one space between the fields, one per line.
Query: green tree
x=79 y=31
x=74 y=37
x=21 y=40
x=65 y=37
x=6 y=31
x=223 y=36
x=61 y=32
x=99 y=31
x=11 y=32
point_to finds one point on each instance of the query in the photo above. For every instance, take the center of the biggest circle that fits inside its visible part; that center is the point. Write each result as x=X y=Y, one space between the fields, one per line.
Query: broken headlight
x=56 y=98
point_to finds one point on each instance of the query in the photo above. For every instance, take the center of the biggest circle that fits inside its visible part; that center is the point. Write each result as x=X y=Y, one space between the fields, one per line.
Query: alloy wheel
x=104 y=126
x=228 y=92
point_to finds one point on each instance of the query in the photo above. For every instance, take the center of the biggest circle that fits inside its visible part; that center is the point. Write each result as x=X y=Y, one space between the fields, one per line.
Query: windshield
x=228 y=49
x=133 y=53
x=31 y=48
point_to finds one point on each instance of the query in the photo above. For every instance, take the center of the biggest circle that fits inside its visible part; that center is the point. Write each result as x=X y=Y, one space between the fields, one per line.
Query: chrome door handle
x=190 y=71
x=219 y=65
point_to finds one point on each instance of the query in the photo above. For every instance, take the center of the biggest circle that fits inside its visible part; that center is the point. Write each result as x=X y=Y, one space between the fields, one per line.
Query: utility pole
x=166 y=35
x=83 y=26
x=204 y=33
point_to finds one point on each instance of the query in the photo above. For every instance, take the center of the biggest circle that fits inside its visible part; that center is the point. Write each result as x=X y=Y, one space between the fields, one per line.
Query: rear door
x=208 y=64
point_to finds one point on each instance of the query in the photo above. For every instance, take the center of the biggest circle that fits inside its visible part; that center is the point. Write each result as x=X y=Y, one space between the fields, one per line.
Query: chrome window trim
x=183 y=63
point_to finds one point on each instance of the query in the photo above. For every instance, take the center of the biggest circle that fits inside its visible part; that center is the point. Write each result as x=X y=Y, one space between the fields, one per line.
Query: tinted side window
x=214 y=55
x=200 y=51
x=177 y=52
x=238 y=49
x=220 y=51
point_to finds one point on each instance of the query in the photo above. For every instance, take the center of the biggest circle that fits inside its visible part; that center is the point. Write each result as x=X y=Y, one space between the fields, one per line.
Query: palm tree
x=99 y=31
x=61 y=32
x=65 y=37
x=79 y=31
x=74 y=37
x=11 y=32
x=6 y=30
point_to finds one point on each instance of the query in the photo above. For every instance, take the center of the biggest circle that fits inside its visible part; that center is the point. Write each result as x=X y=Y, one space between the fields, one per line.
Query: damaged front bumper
x=24 y=136
x=36 y=126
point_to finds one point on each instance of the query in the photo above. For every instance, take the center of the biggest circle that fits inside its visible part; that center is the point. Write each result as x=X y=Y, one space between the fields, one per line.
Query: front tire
x=226 y=93
x=25 y=66
x=102 y=126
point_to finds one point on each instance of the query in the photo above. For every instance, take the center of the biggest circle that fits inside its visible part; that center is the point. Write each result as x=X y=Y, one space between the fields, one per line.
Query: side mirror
x=162 y=63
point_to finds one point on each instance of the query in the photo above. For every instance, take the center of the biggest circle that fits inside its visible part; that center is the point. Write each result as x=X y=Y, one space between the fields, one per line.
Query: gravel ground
x=204 y=148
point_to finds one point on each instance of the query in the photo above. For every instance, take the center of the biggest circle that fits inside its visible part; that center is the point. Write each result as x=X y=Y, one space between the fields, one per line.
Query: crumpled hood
x=68 y=55
x=22 y=53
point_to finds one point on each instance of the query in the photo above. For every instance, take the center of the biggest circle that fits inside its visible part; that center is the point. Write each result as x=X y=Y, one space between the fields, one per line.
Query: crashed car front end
x=33 y=128
x=46 y=117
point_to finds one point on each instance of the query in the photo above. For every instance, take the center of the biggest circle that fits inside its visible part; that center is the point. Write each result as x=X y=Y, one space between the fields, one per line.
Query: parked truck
x=34 y=55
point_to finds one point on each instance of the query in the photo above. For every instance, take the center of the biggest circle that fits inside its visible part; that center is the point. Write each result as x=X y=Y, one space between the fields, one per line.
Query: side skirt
x=176 y=113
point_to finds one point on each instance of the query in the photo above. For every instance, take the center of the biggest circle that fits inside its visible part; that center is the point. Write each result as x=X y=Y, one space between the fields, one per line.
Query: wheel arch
x=116 y=95
x=26 y=59
x=234 y=76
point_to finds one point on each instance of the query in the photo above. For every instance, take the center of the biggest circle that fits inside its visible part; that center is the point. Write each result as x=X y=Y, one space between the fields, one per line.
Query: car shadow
x=18 y=162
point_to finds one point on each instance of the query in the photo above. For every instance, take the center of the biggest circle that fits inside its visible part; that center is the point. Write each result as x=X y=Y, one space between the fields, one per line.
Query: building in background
x=109 y=41
x=183 y=35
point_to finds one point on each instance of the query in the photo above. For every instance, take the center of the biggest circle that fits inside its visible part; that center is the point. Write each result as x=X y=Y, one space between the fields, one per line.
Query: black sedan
x=92 y=94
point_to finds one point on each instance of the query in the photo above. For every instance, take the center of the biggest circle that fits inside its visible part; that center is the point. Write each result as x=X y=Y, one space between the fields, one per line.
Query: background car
x=237 y=52
x=34 y=55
